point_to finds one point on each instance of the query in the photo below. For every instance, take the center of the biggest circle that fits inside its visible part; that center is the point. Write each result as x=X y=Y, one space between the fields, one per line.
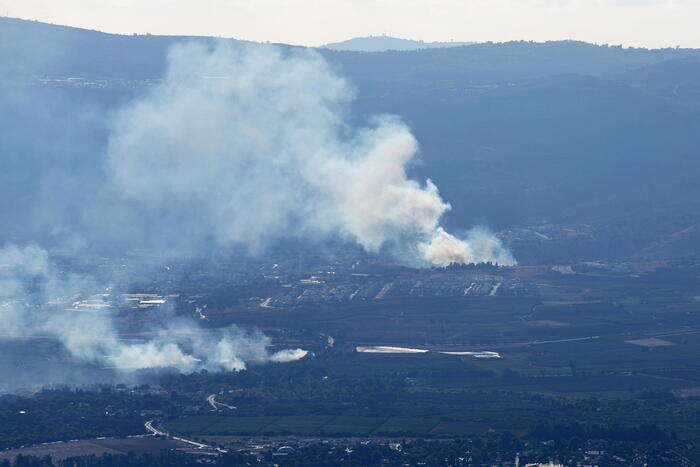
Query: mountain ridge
x=36 y=48
x=515 y=134
x=386 y=43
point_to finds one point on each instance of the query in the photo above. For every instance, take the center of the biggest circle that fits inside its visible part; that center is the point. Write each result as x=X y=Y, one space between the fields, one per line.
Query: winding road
x=215 y=404
x=156 y=432
x=153 y=430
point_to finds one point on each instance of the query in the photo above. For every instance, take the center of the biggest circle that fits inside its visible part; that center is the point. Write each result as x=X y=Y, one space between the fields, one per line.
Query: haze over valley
x=378 y=251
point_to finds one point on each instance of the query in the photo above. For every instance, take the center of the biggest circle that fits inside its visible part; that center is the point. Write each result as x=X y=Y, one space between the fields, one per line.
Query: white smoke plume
x=250 y=145
x=235 y=147
x=288 y=355
x=32 y=292
x=184 y=347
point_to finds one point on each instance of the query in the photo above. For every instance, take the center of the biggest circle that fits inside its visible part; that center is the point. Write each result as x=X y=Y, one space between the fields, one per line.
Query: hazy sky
x=650 y=23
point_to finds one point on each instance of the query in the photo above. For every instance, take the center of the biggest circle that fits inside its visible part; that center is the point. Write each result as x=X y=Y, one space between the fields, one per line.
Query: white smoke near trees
x=250 y=145
x=33 y=296
x=288 y=355
x=184 y=347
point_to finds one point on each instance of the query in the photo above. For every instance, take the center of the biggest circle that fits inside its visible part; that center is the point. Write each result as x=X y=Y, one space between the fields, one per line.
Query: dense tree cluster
x=474 y=451
x=65 y=414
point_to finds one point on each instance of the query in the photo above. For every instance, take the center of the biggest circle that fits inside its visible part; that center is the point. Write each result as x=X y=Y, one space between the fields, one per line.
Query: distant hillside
x=34 y=48
x=486 y=63
x=384 y=43
x=596 y=143
x=30 y=48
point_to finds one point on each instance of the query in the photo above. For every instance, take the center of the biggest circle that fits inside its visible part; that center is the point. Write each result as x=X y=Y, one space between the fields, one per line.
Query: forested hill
x=597 y=144
x=29 y=47
x=498 y=62
x=384 y=43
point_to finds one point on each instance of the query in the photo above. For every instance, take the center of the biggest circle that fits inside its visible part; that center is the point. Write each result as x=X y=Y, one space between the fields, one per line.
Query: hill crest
x=386 y=43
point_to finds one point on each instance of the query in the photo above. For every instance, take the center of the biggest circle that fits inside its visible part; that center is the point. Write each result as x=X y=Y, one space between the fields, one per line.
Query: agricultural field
x=93 y=447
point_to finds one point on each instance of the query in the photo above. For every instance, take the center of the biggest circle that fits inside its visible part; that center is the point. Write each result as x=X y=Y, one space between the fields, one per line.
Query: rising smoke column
x=247 y=145
x=236 y=147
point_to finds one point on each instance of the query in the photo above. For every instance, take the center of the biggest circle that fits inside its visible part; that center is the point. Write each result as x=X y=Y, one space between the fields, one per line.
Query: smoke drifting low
x=187 y=350
x=251 y=145
x=33 y=297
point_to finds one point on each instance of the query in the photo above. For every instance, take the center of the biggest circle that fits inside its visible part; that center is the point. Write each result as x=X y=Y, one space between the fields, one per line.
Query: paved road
x=215 y=404
x=155 y=431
